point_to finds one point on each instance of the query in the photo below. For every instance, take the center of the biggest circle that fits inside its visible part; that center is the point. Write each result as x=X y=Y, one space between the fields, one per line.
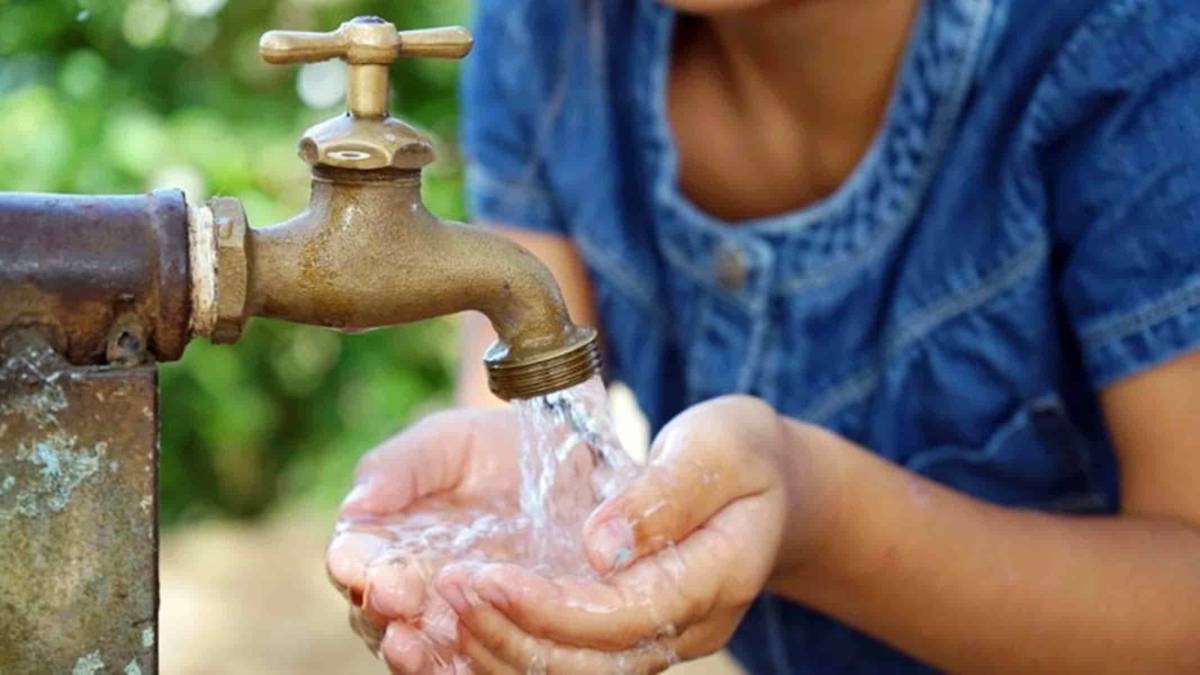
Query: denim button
x=731 y=269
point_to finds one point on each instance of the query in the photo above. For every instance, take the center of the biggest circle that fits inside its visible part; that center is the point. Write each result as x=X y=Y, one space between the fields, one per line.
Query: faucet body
x=367 y=253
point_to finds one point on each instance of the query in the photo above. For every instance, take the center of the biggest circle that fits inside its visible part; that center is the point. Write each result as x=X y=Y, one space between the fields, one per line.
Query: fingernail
x=454 y=596
x=613 y=542
x=490 y=593
x=357 y=494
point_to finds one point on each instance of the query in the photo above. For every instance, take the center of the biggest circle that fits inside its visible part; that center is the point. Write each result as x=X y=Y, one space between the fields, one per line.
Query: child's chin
x=714 y=6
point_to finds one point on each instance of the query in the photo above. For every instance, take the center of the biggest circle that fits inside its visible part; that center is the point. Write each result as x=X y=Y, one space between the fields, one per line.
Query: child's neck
x=831 y=63
x=773 y=108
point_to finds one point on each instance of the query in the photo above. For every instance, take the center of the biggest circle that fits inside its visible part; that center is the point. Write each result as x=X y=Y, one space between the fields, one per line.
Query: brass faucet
x=366 y=252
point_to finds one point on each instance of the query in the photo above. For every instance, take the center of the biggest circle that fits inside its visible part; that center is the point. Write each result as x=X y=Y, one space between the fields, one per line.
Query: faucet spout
x=367 y=253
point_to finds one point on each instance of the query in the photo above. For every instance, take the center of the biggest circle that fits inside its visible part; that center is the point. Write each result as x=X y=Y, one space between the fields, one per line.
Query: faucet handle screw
x=367 y=138
x=368 y=44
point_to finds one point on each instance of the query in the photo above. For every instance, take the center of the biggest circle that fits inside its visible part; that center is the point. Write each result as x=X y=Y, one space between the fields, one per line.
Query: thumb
x=696 y=472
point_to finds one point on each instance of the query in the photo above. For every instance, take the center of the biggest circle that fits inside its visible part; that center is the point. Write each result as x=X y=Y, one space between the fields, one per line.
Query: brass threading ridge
x=403 y=177
x=526 y=379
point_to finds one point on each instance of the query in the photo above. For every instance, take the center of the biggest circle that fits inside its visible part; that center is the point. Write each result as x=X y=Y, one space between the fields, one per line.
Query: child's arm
x=974 y=587
x=963 y=584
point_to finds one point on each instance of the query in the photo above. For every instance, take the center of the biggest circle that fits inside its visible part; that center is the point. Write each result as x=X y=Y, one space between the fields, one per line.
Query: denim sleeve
x=502 y=104
x=1127 y=191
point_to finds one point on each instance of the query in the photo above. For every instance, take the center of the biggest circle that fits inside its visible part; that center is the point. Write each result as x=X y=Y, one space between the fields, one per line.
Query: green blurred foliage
x=125 y=96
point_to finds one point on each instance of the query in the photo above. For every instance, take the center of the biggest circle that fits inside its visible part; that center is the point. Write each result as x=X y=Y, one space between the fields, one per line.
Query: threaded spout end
x=522 y=377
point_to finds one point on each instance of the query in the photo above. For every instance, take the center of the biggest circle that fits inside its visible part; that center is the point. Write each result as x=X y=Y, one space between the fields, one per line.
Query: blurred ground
x=252 y=599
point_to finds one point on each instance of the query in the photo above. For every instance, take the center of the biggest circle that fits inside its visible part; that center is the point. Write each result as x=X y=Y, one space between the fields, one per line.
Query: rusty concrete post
x=78 y=514
x=93 y=290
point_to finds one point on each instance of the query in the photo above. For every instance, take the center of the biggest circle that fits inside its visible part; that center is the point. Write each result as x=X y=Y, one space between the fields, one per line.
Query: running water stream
x=570 y=461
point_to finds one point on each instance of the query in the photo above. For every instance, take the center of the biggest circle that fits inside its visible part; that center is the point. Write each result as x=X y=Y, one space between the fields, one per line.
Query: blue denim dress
x=1024 y=230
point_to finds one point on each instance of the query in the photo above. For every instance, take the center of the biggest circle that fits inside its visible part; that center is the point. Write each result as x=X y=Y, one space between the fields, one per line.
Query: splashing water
x=570 y=461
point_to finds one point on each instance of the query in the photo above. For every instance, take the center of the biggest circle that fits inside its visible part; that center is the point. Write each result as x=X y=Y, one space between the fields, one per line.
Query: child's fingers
x=482 y=661
x=666 y=504
x=430 y=456
x=496 y=645
x=697 y=470
x=362 y=625
x=404 y=650
x=394 y=589
x=484 y=634
x=497 y=636
x=574 y=612
x=659 y=596
x=347 y=559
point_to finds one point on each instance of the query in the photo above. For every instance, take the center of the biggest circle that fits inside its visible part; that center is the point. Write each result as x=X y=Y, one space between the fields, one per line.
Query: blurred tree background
x=126 y=96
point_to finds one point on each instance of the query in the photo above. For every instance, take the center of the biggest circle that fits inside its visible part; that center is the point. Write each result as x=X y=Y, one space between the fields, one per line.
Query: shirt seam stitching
x=1168 y=306
x=991 y=446
x=924 y=323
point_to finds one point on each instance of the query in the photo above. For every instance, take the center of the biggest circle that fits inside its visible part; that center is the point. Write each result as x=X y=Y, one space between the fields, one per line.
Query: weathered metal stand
x=93 y=290
x=78 y=515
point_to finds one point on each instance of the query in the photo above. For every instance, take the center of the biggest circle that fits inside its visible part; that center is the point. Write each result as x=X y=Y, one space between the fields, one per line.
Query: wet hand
x=449 y=467
x=685 y=550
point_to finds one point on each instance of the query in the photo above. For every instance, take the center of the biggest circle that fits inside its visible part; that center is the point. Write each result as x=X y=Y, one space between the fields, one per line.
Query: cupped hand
x=684 y=551
x=416 y=497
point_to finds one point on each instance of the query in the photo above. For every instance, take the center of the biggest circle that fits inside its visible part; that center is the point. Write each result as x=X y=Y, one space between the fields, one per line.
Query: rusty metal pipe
x=367 y=253
x=104 y=278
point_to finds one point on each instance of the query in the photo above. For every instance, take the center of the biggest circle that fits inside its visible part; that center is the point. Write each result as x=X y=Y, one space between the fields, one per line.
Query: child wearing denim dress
x=917 y=282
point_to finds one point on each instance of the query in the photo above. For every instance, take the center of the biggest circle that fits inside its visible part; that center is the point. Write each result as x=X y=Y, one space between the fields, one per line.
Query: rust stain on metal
x=73 y=266
x=78 y=455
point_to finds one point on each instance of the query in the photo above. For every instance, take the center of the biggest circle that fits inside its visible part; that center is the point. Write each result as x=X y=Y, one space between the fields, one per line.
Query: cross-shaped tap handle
x=368 y=45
